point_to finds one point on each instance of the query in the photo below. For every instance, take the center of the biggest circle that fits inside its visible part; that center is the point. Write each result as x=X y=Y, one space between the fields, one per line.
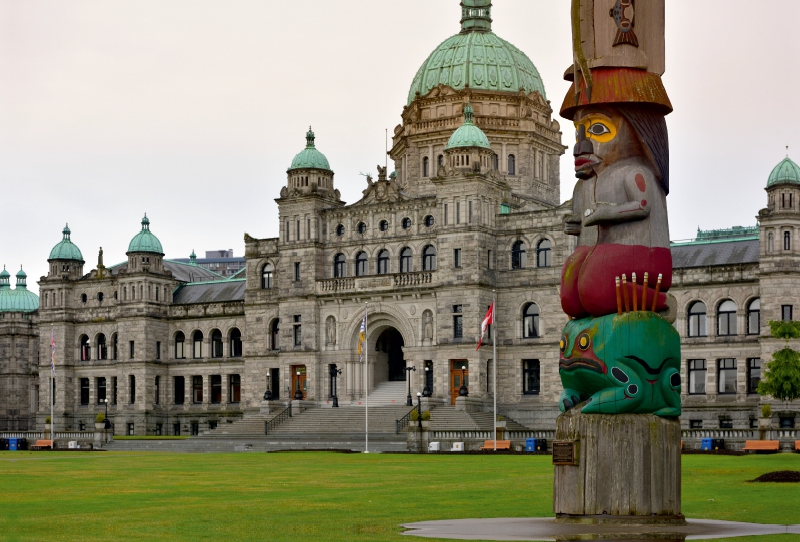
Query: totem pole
x=620 y=355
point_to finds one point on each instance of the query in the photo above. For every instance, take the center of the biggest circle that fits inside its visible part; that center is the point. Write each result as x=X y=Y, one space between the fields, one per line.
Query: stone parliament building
x=473 y=207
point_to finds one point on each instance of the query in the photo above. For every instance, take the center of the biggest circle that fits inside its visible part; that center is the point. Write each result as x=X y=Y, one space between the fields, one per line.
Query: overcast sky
x=192 y=110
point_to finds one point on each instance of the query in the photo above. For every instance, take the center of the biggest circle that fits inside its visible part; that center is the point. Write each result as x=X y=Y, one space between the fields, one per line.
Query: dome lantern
x=5 y=277
x=476 y=15
x=22 y=279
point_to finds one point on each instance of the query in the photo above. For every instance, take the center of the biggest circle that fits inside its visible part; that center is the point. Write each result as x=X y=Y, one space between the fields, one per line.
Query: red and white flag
x=487 y=321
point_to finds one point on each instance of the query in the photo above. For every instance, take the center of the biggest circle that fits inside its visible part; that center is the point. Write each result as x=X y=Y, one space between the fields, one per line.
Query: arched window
x=429 y=258
x=338 y=265
x=770 y=243
x=440 y=161
x=85 y=348
x=697 y=320
x=405 y=260
x=236 y=343
x=361 y=264
x=519 y=258
x=726 y=318
x=544 y=254
x=530 y=321
x=274 y=335
x=102 y=349
x=425 y=166
x=197 y=345
x=216 y=344
x=266 y=276
x=787 y=241
x=180 y=339
x=383 y=262
x=754 y=317
x=114 y=344
x=512 y=165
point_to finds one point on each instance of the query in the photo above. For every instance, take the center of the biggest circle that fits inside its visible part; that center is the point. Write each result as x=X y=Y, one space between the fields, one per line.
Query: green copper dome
x=785 y=172
x=66 y=250
x=145 y=241
x=468 y=135
x=20 y=299
x=310 y=157
x=477 y=57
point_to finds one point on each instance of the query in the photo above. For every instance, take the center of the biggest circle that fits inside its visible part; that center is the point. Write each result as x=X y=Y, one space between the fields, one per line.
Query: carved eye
x=584 y=341
x=598 y=129
x=633 y=389
x=563 y=343
x=675 y=380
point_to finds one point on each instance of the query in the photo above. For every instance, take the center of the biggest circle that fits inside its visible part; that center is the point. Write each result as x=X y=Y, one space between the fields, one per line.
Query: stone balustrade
x=375 y=282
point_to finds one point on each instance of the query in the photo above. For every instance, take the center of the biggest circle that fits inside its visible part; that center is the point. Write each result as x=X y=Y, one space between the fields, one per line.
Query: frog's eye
x=563 y=343
x=584 y=341
x=598 y=129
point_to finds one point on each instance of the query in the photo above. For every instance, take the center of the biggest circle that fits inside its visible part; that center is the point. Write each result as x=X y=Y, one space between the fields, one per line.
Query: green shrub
x=100 y=418
x=48 y=420
x=426 y=416
x=414 y=415
x=766 y=411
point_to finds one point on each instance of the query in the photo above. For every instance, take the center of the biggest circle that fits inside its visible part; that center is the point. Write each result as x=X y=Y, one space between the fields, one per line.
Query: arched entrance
x=389 y=362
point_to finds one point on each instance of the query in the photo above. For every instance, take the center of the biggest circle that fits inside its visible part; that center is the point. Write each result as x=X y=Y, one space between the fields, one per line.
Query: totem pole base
x=628 y=469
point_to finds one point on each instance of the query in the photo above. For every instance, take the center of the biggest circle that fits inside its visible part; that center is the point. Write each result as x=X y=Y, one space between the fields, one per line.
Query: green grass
x=325 y=496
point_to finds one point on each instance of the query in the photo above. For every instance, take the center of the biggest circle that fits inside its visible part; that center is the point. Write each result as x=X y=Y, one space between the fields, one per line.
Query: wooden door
x=299 y=380
x=456 y=374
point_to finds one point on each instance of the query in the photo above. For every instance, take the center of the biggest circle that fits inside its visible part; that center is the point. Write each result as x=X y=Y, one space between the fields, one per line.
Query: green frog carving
x=621 y=364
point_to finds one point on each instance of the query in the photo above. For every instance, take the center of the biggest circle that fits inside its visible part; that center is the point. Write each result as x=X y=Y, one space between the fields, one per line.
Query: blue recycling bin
x=12 y=444
x=535 y=445
x=705 y=444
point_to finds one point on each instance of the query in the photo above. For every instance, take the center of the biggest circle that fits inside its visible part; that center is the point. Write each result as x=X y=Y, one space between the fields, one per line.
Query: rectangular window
x=130 y=429
x=84 y=391
x=308 y=228
x=296 y=271
x=197 y=390
x=726 y=381
x=470 y=211
x=531 y=377
x=458 y=212
x=458 y=322
x=725 y=423
x=158 y=349
x=695 y=424
x=159 y=429
x=195 y=428
x=131 y=349
x=180 y=390
x=286 y=231
x=101 y=390
x=445 y=214
x=297 y=232
x=216 y=389
x=457 y=258
x=489 y=260
x=786 y=313
x=297 y=330
x=234 y=388
x=176 y=429
x=115 y=396
x=697 y=376
x=157 y=386
x=132 y=389
x=753 y=374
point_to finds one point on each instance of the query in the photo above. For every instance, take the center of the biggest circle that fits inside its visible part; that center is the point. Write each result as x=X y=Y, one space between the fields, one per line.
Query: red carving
x=641 y=184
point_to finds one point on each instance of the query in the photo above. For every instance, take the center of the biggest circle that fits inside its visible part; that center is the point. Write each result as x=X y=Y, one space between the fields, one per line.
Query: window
x=695 y=424
x=274 y=335
x=180 y=340
x=297 y=271
x=530 y=321
x=725 y=423
x=131 y=349
x=787 y=241
x=519 y=258
x=216 y=389
x=697 y=320
x=697 y=376
x=496 y=162
x=297 y=330
x=286 y=231
x=489 y=260
x=236 y=343
x=361 y=264
x=101 y=390
x=405 y=223
x=234 y=388
x=383 y=226
x=383 y=262
x=84 y=391
x=754 y=317
x=157 y=390
x=726 y=318
x=457 y=258
x=429 y=221
x=753 y=374
x=297 y=230
x=197 y=389
x=786 y=313
x=544 y=254
x=130 y=430
x=726 y=382
x=100 y=297
x=158 y=349
x=531 y=381
x=195 y=428
x=458 y=322
x=425 y=167
x=159 y=429
x=770 y=243
x=440 y=161
x=85 y=348
x=512 y=165
x=180 y=390
x=115 y=395
x=786 y=422
x=114 y=345
x=197 y=345
x=405 y=260
x=266 y=276
x=361 y=228
x=340 y=230
x=429 y=258
x=132 y=389
x=216 y=343
x=339 y=266
x=84 y=298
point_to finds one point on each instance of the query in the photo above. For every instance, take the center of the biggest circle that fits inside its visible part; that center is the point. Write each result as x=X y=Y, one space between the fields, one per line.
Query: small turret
x=66 y=260
x=310 y=171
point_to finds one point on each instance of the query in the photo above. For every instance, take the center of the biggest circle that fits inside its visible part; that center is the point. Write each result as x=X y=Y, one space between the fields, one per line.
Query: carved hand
x=572 y=225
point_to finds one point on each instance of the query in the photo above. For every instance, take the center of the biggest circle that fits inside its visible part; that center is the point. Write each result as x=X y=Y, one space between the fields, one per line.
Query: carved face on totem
x=604 y=137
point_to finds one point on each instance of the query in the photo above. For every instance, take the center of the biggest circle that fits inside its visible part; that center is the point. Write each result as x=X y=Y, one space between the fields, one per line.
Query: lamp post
x=335 y=384
x=298 y=395
x=419 y=409
x=268 y=393
x=463 y=391
x=107 y=423
x=427 y=391
x=409 y=402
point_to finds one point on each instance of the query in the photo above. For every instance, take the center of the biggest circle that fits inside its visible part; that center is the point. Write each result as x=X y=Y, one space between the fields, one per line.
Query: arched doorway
x=389 y=362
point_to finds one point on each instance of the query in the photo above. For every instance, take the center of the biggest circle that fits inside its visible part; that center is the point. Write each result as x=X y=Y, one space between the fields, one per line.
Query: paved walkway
x=547 y=529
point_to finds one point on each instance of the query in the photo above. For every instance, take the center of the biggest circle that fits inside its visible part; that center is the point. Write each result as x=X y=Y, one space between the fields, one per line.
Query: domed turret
x=785 y=172
x=468 y=149
x=310 y=157
x=468 y=135
x=310 y=171
x=19 y=299
x=5 y=277
x=66 y=249
x=145 y=241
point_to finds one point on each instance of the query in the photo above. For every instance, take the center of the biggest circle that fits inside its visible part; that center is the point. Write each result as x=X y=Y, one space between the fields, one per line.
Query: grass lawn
x=326 y=496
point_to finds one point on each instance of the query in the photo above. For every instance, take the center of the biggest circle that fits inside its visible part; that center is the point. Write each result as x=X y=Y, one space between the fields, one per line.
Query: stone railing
x=413 y=279
x=337 y=285
x=729 y=434
x=375 y=282
x=40 y=435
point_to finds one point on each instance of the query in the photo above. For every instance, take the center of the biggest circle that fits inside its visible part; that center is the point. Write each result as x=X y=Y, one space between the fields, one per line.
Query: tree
x=782 y=377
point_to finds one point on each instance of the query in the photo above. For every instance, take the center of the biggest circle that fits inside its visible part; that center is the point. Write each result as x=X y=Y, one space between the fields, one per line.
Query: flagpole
x=494 y=363
x=366 y=383
x=52 y=382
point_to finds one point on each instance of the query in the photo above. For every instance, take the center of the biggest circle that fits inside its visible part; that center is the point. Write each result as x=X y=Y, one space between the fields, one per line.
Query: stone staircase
x=387 y=393
x=447 y=418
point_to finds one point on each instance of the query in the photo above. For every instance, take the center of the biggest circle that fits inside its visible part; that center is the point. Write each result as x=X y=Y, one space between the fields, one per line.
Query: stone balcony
x=374 y=283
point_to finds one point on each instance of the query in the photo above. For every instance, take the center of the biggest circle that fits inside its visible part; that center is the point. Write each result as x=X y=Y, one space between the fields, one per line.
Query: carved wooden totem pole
x=620 y=355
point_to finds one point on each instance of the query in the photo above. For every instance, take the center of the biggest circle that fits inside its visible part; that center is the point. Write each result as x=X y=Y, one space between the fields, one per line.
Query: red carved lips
x=583 y=363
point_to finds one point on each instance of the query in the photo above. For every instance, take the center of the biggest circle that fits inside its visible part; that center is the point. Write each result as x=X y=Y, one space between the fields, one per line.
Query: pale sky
x=191 y=110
